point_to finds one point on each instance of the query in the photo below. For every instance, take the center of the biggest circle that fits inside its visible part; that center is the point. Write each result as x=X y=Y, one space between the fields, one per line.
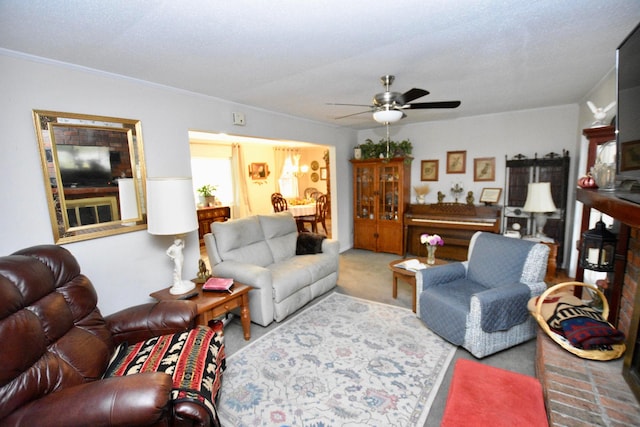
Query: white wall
x=126 y=268
x=524 y=132
x=497 y=135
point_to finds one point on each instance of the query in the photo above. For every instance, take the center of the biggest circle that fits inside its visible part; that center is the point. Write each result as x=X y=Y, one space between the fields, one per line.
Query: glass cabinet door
x=389 y=182
x=365 y=192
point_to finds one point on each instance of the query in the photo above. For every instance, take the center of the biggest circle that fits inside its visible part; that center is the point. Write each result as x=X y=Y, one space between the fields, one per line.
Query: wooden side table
x=407 y=276
x=214 y=304
x=552 y=262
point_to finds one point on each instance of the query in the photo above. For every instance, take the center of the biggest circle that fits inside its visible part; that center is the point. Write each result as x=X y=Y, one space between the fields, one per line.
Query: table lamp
x=171 y=210
x=539 y=202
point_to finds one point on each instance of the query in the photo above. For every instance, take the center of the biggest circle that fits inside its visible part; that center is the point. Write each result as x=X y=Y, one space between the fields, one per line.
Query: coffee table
x=407 y=276
x=214 y=304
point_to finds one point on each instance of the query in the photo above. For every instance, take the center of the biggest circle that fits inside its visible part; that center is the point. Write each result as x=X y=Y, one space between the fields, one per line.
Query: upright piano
x=454 y=222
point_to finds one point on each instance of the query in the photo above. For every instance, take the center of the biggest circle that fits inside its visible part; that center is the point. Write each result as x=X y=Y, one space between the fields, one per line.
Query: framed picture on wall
x=259 y=170
x=456 y=161
x=429 y=170
x=490 y=195
x=484 y=169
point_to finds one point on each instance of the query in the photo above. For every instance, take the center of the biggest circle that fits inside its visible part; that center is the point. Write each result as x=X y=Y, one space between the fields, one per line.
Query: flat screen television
x=84 y=166
x=628 y=103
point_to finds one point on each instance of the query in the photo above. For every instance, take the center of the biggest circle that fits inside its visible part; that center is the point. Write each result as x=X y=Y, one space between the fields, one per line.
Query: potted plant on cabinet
x=207 y=193
x=372 y=150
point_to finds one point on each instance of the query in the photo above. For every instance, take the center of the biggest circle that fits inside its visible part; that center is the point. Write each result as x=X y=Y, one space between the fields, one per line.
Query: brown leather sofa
x=55 y=346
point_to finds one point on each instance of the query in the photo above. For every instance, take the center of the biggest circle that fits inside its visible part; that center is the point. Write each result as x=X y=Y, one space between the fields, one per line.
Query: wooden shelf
x=608 y=203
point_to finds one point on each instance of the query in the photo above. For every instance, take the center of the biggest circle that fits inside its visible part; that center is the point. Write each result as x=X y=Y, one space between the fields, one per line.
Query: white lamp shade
x=539 y=198
x=387 y=116
x=171 y=206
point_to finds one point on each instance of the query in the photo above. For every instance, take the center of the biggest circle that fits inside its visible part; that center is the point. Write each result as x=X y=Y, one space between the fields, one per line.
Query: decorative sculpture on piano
x=470 y=198
x=457 y=189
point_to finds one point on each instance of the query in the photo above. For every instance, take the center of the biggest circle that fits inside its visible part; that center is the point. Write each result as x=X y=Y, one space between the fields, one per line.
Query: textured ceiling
x=294 y=56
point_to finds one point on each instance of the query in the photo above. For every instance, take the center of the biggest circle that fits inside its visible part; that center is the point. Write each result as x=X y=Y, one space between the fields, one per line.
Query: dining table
x=302 y=210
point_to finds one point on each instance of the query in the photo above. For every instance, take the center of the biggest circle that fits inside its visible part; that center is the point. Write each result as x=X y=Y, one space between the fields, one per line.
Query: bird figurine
x=599 y=113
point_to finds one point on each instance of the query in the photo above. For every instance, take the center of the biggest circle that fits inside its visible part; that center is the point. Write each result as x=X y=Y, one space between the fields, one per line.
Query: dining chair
x=309 y=191
x=279 y=203
x=322 y=206
x=315 y=195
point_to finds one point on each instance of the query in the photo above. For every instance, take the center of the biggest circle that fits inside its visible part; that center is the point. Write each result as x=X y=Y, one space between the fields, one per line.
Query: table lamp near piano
x=539 y=202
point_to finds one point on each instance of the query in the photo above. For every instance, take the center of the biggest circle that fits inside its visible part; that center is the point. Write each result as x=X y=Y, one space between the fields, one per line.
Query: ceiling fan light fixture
x=387 y=116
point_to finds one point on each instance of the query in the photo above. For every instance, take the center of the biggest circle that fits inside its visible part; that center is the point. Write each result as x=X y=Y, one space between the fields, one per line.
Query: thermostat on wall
x=238 y=119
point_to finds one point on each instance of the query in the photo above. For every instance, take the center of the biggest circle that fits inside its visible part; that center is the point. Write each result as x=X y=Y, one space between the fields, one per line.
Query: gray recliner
x=481 y=304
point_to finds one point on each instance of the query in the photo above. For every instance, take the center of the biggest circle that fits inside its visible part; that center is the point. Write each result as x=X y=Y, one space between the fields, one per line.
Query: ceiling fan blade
x=412 y=94
x=354 y=114
x=426 y=105
x=351 y=105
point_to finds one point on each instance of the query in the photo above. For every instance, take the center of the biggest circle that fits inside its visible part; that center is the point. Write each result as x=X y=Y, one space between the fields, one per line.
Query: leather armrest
x=140 y=399
x=191 y=414
x=142 y=322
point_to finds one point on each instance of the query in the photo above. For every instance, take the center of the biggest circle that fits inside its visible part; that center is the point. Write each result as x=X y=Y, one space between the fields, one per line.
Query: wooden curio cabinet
x=381 y=191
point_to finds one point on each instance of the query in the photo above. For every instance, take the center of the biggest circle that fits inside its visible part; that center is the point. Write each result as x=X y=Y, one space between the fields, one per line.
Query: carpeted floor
x=366 y=275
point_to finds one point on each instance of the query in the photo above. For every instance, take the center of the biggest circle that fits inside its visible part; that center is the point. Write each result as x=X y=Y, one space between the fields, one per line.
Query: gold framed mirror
x=93 y=168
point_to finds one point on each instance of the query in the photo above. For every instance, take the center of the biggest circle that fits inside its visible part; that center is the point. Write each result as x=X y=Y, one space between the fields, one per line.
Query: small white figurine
x=175 y=253
x=600 y=113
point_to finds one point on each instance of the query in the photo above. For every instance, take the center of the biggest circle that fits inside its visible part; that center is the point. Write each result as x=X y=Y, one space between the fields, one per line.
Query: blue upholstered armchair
x=481 y=304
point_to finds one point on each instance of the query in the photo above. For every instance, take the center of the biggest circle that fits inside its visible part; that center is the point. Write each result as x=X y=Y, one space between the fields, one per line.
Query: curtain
x=279 y=157
x=287 y=182
x=242 y=206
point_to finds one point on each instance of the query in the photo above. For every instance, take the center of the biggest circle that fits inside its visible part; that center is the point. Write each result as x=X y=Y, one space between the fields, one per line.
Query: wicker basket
x=616 y=351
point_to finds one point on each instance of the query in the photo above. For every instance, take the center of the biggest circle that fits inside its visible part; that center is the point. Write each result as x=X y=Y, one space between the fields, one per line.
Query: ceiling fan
x=388 y=106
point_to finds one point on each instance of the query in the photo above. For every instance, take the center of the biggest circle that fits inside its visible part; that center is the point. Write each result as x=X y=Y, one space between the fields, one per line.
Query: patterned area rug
x=341 y=362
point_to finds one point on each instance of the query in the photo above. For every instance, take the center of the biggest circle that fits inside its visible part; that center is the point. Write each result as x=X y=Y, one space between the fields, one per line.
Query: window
x=215 y=171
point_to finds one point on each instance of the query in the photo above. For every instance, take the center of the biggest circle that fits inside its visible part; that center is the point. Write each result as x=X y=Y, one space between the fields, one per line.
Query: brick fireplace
x=629 y=320
x=583 y=392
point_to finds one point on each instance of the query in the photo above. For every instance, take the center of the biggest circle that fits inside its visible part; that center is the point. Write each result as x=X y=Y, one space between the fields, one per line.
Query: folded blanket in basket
x=583 y=326
x=589 y=334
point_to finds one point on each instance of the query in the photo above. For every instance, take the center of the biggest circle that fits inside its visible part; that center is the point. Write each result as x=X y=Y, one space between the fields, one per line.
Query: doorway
x=312 y=161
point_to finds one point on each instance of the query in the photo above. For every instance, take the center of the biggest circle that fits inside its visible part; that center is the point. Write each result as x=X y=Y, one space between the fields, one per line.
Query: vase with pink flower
x=431 y=241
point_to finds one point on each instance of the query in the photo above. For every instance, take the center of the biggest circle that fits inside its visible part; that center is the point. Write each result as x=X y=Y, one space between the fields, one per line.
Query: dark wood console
x=208 y=215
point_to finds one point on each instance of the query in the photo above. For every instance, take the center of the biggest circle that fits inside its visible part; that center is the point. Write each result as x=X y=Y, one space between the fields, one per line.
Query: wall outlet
x=238 y=119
